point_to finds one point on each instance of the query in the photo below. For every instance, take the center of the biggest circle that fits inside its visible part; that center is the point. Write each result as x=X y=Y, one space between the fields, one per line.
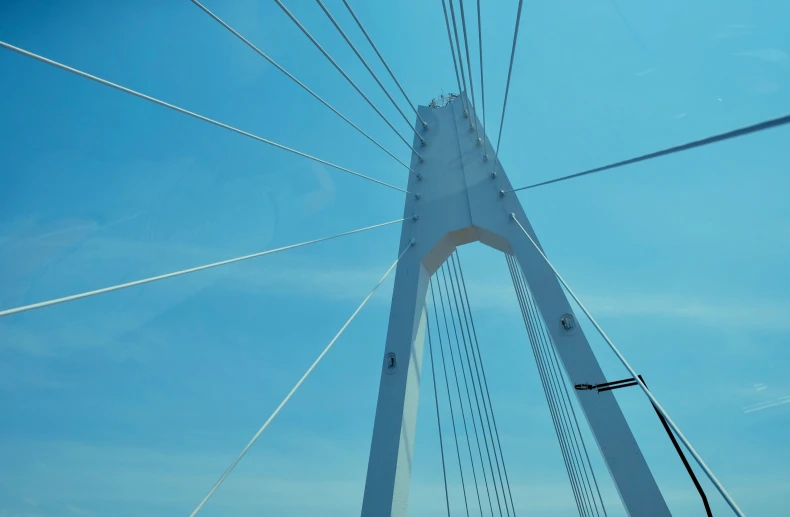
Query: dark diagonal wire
x=755 y=128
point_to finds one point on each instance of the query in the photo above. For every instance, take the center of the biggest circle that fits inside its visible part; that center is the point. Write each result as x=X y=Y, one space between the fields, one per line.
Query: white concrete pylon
x=459 y=201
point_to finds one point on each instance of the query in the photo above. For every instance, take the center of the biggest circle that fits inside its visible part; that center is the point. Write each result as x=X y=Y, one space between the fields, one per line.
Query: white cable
x=297 y=81
x=190 y=113
x=293 y=390
x=630 y=369
x=118 y=287
x=392 y=74
x=344 y=74
x=365 y=63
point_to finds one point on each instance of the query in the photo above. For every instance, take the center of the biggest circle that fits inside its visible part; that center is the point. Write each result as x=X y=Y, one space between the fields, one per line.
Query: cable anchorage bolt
x=413 y=241
x=493 y=175
x=419 y=176
x=425 y=126
x=479 y=142
x=417 y=197
x=502 y=194
x=415 y=217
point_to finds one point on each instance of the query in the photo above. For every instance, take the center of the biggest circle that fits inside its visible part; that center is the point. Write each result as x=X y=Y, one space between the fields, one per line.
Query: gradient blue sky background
x=133 y=403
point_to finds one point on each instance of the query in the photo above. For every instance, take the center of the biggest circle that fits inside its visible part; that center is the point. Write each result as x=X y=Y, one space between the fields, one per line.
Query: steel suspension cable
x=383 y=62
x=458 y=310
x=755 y=128
x=565 y=444
x=257 y=435
x=480 y=369
x=469 y=65
x=708 y=472
x=449 y=397
x=469 y=101
x=555 y=379
x=344 y=74
x=438 y=418
x=455 y=377
x=552 y=352
x=482 y=81
x=372 y=73
x=297 y=81
x=455 y=62
x=547 y=390
x=190 y=113
x=148 y=280
x=507 y=84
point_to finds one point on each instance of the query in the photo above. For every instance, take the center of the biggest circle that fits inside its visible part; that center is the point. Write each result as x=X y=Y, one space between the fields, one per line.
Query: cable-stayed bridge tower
x=459 y=199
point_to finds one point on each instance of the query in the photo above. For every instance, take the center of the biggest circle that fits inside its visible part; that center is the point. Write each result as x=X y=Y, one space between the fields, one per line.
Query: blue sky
x=134 y=402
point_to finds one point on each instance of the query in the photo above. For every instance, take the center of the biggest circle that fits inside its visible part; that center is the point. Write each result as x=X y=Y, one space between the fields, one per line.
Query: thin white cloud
x=742 y=314
x=768 y=404
x=772 y=55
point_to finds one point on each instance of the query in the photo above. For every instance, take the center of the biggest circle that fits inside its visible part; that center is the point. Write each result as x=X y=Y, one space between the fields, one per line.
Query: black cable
x=457 y=384
x=556 y=378
x=438 y=418
x=449 y=398
x=453 y=283
x=546 y=389
x=769 y=124
x=489 y=418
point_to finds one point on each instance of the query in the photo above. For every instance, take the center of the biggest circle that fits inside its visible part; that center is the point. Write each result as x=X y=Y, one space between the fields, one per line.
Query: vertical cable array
x=468 y=66
x=507 y=84
x=574 y=450
x=461 y=64
x=449 y=396
x=471 y=394
x=487 y=404
x=438 y=417
x=482 y=81
x=455 y=61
